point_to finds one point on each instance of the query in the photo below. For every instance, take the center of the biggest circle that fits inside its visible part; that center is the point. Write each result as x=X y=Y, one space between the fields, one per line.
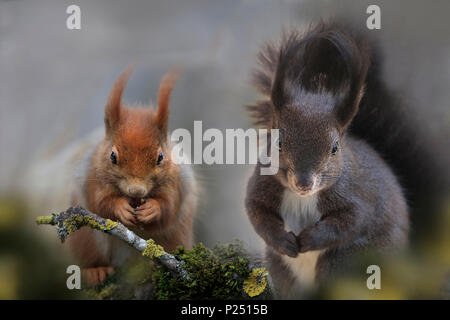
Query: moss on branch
x=218 y=273
x=224 y=272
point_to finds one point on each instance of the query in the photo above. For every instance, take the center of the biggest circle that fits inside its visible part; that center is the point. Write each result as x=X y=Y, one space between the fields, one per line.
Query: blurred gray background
x=54 y=82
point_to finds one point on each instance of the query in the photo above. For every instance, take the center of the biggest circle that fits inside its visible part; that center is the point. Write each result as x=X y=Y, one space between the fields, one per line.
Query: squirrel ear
x=165 y=89
x=112 y=108
x=348 y=105
x=348 y=108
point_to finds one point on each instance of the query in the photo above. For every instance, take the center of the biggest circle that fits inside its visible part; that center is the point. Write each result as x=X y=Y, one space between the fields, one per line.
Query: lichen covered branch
x=74 y=218
x=224 y=272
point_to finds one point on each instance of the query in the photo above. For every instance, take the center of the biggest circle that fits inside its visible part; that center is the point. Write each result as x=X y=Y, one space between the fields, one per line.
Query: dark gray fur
x=314 y=83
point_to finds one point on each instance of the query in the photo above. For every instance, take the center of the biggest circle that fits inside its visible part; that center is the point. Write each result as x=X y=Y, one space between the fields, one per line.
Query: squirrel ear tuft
x=113 y=106
x=357 y=69
x=165 y=89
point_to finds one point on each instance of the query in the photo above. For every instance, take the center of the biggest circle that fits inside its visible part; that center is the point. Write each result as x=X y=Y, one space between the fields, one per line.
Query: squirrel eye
x=113 y=158
x=160 y=158
x=335 y=148
x=278 y=144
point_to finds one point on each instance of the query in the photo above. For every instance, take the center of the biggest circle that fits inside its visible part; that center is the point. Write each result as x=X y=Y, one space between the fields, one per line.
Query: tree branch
x=76 y=217
x=222 y=277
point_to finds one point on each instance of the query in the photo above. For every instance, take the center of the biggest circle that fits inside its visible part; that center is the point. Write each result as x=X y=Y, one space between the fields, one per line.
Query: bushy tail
x=382 y=120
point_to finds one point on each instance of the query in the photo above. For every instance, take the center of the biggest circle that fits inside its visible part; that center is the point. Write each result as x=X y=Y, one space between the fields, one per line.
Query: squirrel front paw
x=307 y=240
x=148 y=212
x=93 y=276
x=124 y=212
x=286 y=244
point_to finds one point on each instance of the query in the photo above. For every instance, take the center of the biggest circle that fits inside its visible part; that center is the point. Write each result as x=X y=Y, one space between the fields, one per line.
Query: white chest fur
x=298 y=213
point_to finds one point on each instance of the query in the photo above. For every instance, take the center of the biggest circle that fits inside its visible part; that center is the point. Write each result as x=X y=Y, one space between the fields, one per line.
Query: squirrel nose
x=305 y=180
x=136 y=191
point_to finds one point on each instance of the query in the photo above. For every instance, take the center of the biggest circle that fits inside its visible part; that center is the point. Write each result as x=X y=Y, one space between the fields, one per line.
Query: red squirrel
x=131 y=177
x=334 y=195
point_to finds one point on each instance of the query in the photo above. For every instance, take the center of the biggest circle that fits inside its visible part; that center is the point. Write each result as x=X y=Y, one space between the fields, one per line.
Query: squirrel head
x=137 y=155
x=315 y=94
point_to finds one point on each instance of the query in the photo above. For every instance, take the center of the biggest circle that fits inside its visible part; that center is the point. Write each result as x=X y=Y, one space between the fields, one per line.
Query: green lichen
x=217 y=274
x=256 y=283
x=75 y=222
x=153 y=250
x=109 y=224
x=45 y=219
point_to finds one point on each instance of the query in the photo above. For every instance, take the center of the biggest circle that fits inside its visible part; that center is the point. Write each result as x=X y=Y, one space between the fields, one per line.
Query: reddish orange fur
x=137 y=136
x=165 y=89
x=93 y=276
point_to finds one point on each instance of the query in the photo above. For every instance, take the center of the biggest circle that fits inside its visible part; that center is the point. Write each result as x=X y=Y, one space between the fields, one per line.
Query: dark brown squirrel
x=333 y=195
x=131 y=177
